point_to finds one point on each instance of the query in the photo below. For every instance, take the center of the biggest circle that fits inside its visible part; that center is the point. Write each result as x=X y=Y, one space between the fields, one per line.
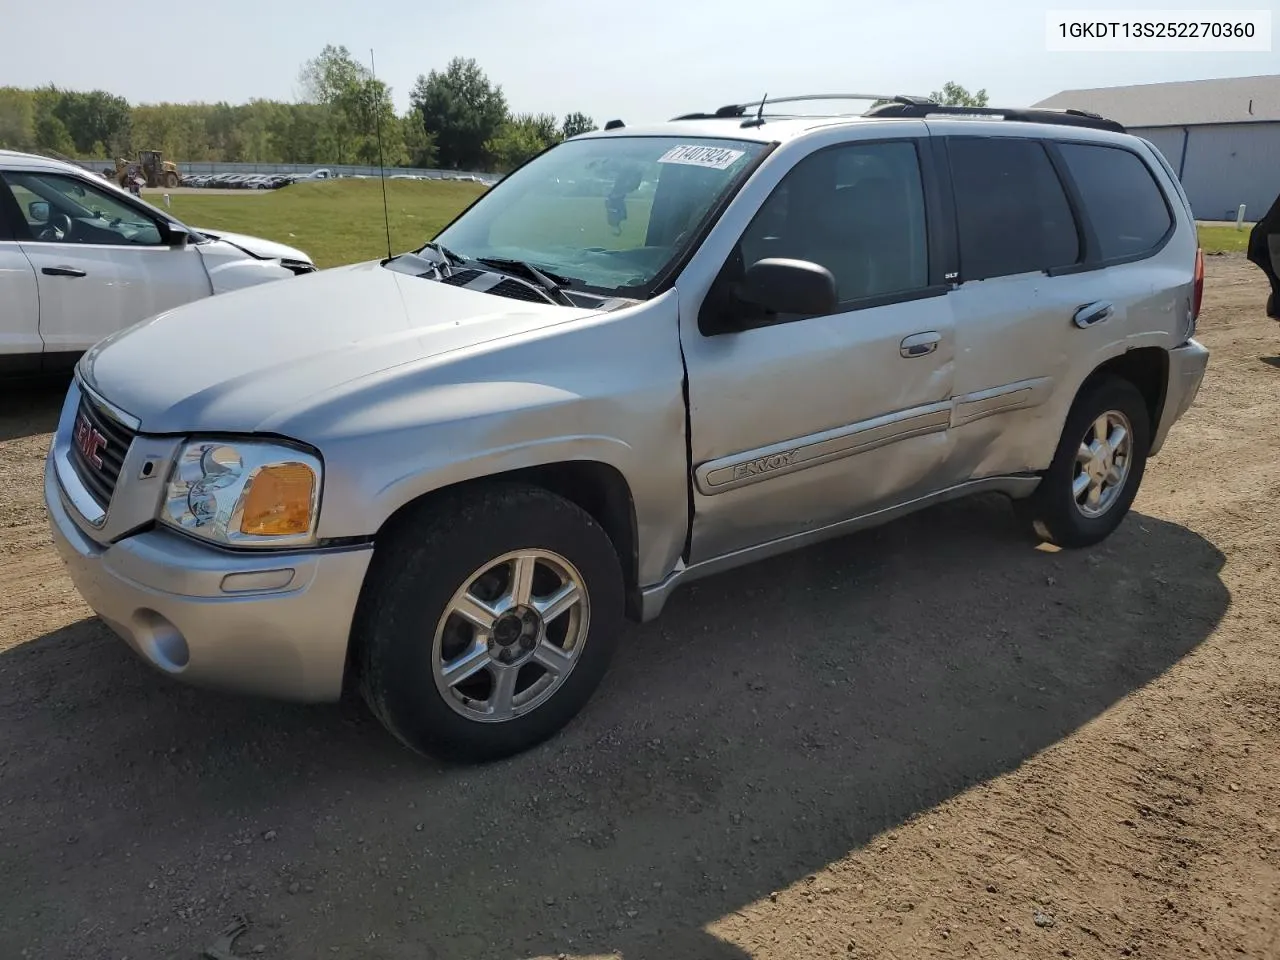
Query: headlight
x=244 y=493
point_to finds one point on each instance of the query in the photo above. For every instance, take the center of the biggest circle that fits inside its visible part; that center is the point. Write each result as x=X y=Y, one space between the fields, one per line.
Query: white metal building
x=1221 y=136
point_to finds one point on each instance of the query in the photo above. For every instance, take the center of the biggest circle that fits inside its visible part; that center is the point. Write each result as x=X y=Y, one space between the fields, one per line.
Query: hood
x=238 y=361
x=256 y=246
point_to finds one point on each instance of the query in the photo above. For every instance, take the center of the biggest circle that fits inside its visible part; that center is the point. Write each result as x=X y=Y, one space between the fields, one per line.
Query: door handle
x=920 y=344
x=1092 y=313
x=62 y=271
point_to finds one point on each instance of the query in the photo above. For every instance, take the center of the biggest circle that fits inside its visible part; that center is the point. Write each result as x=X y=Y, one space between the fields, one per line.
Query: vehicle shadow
x=1272 y=361
x=31 y=406
x=774 y=719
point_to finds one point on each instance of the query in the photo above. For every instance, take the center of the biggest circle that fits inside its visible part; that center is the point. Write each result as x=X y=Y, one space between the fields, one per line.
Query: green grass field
x=341 y=222
x=1224 y=239
x=336 y=223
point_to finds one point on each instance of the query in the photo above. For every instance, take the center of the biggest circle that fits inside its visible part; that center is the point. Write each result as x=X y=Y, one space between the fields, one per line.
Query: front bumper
x=1187 y=365
x=270 y=624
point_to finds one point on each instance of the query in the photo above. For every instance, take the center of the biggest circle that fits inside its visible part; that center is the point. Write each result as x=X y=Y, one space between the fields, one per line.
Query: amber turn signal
x=279 y=501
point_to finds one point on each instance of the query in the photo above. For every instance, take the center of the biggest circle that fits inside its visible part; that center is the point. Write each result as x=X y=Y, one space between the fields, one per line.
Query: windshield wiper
x=453 y=258
x=553 y=283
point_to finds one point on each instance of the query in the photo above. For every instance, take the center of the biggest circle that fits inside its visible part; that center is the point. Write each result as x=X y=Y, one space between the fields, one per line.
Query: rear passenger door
x=1129 y=224
x=1020 y=249
x=1056 y=240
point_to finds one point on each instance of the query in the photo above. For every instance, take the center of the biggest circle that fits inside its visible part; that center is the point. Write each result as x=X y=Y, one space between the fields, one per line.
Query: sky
x=642 y=61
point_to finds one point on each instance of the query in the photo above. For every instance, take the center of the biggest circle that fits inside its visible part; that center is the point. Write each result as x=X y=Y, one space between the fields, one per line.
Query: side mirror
x=780 y=285
x=38 y=211
x=177 y=235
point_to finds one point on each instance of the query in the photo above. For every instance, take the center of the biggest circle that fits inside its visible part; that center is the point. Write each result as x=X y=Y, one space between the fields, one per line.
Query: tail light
x=1197 y=290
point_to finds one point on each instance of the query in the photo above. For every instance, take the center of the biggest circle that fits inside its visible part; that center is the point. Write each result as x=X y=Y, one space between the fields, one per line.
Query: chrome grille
x=99 y=443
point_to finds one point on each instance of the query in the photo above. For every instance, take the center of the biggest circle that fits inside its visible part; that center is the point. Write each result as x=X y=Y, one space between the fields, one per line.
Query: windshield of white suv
x=606 y=214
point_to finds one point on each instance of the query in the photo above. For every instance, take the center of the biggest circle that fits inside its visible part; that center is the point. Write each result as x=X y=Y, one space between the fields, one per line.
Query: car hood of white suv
x=247 y=360
x=256 y=246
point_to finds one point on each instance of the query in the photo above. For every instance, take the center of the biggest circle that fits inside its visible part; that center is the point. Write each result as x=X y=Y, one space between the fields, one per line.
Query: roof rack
x=740 y=109
x=900 y=105
x=1066 y=118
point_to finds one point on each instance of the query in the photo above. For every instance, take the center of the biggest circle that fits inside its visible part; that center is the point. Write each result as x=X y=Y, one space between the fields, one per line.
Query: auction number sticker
x=715 y=158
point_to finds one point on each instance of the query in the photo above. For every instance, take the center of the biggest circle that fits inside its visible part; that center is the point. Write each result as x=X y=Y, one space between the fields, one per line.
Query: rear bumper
x=274 y=625
x=1187 y=364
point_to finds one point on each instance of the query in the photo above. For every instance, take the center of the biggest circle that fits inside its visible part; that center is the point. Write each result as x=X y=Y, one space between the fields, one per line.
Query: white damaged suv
x=646 y=356
x=81 y=259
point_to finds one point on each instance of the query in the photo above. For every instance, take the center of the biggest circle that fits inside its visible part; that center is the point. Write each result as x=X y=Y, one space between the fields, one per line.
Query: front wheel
x=1096 y=469
x=170 y=179
x=488 y=620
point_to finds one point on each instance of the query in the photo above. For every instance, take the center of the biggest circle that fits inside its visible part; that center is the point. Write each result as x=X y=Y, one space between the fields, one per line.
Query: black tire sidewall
x=1053 y=507
x=425 y=562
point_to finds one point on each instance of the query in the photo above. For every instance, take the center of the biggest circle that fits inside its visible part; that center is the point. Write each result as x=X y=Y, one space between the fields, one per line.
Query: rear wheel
x=1097 y=468
x=488 y=620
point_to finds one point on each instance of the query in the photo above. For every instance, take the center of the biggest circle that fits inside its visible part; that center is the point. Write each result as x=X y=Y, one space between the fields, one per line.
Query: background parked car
x=80 y=259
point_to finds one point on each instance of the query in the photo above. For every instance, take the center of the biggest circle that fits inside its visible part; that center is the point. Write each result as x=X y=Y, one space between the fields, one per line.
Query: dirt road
x=930 y=740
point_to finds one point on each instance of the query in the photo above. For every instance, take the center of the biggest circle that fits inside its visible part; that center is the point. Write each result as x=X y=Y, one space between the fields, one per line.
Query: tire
x=407 y=629
x=170 y=179
x=1053 y=511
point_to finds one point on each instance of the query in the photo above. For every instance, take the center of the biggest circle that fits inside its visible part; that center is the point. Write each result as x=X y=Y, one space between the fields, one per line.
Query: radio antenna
x=759 y=120
x=382 y=170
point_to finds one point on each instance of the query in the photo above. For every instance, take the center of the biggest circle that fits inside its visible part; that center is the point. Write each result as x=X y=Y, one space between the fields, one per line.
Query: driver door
x=801 y=422
x=101 y=263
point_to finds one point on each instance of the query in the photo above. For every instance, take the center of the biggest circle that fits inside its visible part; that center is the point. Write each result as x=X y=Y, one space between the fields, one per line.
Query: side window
x=1011 y=210
x=857 y=210
x=1121 y=199
x=60 y=209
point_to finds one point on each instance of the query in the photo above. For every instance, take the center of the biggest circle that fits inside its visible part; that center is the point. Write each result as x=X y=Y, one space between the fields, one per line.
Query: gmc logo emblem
x=89 y=441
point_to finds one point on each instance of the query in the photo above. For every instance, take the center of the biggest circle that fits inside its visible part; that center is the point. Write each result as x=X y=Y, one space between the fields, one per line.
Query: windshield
x=607 y=214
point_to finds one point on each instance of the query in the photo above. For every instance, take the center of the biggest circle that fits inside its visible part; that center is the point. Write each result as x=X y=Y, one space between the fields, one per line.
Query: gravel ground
x=928 y=740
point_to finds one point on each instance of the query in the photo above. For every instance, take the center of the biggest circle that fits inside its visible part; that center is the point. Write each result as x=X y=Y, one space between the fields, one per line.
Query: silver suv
x=646 y=356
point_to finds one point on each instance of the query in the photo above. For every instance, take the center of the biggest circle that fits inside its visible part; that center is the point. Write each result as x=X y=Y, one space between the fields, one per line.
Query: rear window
x=1121 y=198
x=1011 y=210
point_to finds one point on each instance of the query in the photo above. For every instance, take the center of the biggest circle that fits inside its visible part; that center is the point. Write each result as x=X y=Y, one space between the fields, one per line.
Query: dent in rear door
x=1017 y=292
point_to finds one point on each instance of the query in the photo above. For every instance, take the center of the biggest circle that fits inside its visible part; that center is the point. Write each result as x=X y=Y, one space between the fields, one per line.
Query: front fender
x=238 y=274
x=611 y=393
x=363 y=500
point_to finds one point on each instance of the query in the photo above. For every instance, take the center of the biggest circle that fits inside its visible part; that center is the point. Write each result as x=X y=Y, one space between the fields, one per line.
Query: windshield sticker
x=716 y=158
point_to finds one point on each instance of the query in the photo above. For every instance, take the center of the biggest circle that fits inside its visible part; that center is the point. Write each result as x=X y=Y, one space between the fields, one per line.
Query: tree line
x=457 y=119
